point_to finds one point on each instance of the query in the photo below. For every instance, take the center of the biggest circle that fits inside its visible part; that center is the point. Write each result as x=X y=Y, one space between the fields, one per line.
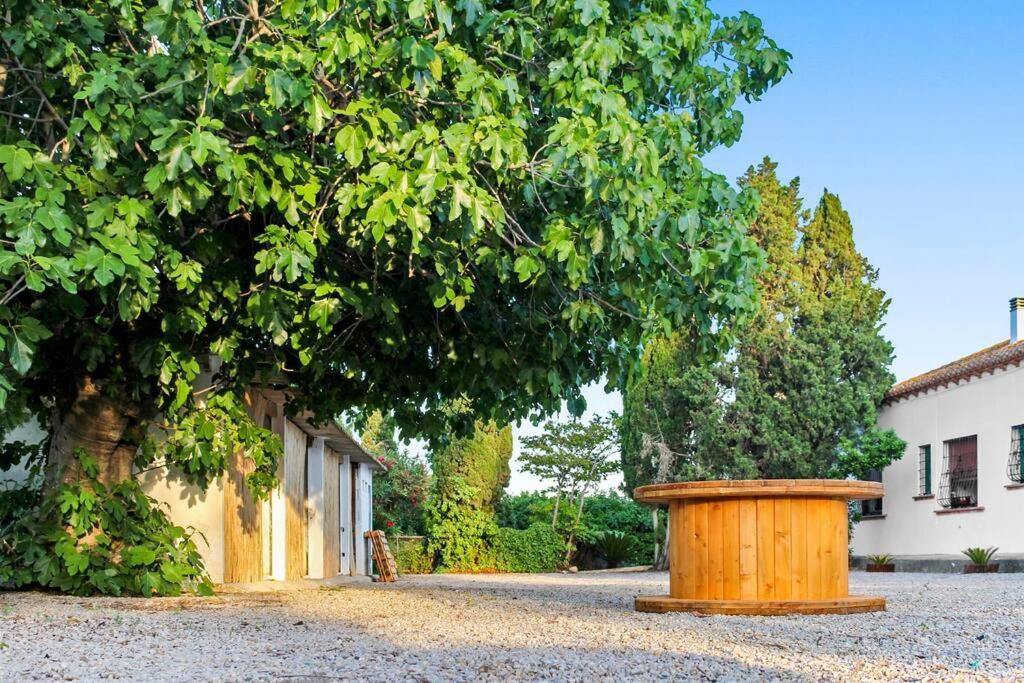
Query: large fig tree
x=391 y=203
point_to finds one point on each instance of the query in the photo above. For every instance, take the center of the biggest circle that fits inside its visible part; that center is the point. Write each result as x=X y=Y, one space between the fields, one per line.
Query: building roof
x=335 y=437
x=997 y=356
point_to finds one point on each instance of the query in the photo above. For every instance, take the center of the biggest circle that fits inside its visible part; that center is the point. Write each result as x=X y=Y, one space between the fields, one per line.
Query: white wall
x=189 y=506
x=988 y=406
x=185 y=505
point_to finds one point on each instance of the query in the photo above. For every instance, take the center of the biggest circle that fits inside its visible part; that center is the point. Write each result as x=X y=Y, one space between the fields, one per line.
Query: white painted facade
x=987 y=406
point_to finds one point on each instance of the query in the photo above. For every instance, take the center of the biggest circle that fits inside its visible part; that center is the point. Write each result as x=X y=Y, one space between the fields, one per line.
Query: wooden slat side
x=839 y=543
x=701 y=579
x=814 y=510
x=731 y=549
x=689 y=550
x=675 y=550
x=843 y=542
x=829 y=575
x=716 y=560
x=243 y=537
x=783 y=549
x=332 y=514
x=748 y=549
x=295 y=500
x=798 y=545
x=766 y=549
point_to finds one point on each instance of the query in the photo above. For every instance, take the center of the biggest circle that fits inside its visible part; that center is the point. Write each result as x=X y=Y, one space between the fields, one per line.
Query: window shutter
x=927 y=470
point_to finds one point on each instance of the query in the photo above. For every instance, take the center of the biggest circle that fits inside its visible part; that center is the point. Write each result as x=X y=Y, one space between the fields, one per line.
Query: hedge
x=536 y=549
x=411 y=555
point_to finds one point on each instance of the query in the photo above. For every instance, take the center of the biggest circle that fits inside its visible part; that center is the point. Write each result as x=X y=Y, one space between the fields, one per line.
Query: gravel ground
x=518 y=627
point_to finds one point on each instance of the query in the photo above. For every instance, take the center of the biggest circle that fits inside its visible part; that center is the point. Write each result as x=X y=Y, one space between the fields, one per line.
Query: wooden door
x=332 y=515
x=243 y=533
x=345 y=536
x=295 y=534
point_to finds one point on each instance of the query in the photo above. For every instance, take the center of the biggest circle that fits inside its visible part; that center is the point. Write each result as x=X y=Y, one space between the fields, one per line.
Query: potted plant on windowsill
x=981 y=561
x=880 y=563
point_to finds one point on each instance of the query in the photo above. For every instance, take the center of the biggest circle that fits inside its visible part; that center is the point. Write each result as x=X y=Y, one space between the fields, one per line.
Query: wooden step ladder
x=381 y=553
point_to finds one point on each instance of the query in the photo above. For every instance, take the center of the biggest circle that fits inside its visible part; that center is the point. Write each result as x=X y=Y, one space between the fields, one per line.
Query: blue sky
x=912 y=113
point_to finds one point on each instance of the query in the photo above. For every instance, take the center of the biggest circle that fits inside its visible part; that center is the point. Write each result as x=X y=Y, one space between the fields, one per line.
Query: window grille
x=1015 y=465
x=959 y=485
x=872 y=507
x=924 y=470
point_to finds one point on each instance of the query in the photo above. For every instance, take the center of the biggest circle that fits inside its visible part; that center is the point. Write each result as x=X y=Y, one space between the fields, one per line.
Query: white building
x=960 y=482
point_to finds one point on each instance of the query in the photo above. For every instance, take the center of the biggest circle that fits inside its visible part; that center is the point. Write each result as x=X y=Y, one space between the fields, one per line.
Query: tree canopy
x=394 y=204
x=574 y=457
x=796 y=396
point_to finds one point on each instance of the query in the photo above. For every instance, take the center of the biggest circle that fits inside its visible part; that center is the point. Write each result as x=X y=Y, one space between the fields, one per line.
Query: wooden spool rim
x=759 y=488
x=852 y=604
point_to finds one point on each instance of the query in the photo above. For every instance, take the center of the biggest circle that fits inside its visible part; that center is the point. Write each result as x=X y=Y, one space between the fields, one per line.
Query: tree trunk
x=661 y=560
x=105 y=428
x=576 y=525
x=554 y=518
x=654 y=528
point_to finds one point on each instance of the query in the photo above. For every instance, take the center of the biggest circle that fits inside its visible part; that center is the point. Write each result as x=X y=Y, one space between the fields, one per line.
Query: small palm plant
x=614 y=547
x=880 y=563
x=980 y=556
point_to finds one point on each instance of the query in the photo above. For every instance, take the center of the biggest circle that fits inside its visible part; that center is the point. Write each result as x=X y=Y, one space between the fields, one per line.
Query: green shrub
x=85 y=538
x=537 y=549
x=411 y=555
x=601 y=513
x=469 y=477
x=614 y=546
x=613 y=512
x=459 y=533
x=523 y=509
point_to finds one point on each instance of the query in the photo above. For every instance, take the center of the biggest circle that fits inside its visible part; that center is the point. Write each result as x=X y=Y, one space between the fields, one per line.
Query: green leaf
x=590 y=10
x=138 y=555
x=20 y=353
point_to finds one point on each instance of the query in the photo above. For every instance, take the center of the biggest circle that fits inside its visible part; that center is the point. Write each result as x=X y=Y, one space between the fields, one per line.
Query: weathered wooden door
x=345 y=494
x=332 y=515
x=243 y=518
x=295 y=534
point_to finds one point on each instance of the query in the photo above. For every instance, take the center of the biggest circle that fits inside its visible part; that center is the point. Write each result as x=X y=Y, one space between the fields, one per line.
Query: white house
x=960 y=483
x=313 y=524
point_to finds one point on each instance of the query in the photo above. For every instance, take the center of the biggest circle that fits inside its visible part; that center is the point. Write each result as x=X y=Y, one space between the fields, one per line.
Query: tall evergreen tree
x=806 y=374
x=469 y=476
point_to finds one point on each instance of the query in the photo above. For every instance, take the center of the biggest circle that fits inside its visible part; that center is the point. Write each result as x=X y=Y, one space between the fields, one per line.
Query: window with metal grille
x=873 y=506
x=959 y=485
x=924 y=470
x=1015 y=465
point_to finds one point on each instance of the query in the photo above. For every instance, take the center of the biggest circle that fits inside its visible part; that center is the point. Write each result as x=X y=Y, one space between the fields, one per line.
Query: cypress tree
x=807 y=372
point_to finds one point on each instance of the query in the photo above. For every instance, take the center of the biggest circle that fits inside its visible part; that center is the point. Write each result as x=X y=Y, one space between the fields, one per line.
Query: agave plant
x=613 y=547
x=879 y=559
x=980 y=556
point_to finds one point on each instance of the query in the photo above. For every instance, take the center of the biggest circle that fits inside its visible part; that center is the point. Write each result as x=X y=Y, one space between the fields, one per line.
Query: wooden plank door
x=345 y=506
x=243 y=516
x=295 y=533
x=332 y=515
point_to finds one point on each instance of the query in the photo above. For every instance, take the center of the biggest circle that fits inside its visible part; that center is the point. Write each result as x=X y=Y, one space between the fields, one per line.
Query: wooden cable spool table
x=767 y=547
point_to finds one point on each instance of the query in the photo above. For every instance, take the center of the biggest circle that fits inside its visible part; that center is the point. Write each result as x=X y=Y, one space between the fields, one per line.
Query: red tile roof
x=977 y=364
